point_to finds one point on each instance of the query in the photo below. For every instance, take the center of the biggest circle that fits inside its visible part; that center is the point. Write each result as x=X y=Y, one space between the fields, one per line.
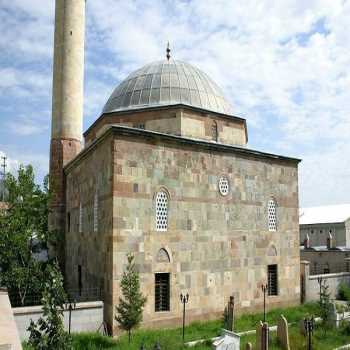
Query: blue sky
x=284 y=66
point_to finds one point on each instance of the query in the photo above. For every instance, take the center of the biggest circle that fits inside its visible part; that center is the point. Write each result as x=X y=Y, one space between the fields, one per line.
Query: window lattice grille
x=272 y=280
x=224 y=185
x=161 y=211
x=96 y=212
x=162 y=292
x=80 y=217
x=272 y=220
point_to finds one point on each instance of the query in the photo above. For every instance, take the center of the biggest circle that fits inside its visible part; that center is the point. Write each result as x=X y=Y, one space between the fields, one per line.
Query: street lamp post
x=320 y=280
x=309 y=327
x=184 y=301
x=264 y=288
x=70 y=306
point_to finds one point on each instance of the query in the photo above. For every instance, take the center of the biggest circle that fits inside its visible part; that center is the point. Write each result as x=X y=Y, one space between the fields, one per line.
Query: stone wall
x=311 y=288
x=87 y=317
x=90 y=249
x=229 y=131
x=8 y=330
x=218 y=246
x=180 y=121
x=327 y=259
x=318 y=234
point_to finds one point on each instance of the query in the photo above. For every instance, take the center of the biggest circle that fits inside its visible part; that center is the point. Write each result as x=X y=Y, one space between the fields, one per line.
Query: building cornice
x=157 y=136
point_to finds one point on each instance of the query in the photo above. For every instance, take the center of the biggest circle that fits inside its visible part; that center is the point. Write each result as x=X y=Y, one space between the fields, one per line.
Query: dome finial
x=168 y=52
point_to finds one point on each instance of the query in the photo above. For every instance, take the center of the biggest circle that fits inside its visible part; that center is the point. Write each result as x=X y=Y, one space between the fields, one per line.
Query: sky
x=283 y=65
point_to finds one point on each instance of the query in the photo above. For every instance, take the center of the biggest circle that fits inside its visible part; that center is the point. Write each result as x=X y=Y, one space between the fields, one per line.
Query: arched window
x=214 y=131
x=161 y=211
x=96 y=212
x=272 y=220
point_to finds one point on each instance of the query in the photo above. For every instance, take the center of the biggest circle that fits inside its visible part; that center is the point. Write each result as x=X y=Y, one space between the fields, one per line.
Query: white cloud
x=283 y=65
x=15 y=158
x=27 y=127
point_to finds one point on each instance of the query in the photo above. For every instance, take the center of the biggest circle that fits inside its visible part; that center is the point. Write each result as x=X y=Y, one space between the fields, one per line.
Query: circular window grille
x=161 y=211
x=224 y=185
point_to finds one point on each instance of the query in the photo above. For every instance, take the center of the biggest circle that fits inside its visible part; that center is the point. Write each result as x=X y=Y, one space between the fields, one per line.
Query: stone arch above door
x=163 y=256
x=272 y=251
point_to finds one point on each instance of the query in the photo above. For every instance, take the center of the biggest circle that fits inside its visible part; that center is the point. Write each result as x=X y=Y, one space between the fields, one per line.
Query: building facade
x=166 y=175
x=317 y=223
x=175 y=185
x=325 y=238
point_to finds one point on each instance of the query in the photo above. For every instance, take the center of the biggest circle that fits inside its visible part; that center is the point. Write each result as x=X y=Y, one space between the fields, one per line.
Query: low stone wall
x=311 y=287
x=9 y=338
x=87 y=317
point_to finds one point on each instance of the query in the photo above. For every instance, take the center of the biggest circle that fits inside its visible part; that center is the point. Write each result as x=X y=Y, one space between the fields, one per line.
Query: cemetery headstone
x=262 y=336
x=333 y=316
x=248 y=346
x=302 y=327
x=227 y=341
x=231 y=315
x=282 y=333
x=258 y=335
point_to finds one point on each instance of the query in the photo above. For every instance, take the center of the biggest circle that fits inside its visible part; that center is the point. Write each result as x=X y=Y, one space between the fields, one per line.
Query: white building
x=319 y=222
x=327 y=230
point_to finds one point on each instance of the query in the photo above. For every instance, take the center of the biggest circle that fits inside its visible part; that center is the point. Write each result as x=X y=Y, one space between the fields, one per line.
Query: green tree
x=325 y=304
x=129 y=310
x=48 y=332
x=23 y=230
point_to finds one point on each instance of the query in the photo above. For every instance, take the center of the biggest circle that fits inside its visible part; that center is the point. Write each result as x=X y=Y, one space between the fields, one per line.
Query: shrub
x=344 y=292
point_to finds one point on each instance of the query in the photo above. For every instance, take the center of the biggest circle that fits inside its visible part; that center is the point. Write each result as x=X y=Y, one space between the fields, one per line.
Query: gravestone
x=231 y=313
x=227 y=341
x=302 y=327
x=333 y=319
x=282 y=333
x=248 y=346
x=258 y=335
x=262 y=336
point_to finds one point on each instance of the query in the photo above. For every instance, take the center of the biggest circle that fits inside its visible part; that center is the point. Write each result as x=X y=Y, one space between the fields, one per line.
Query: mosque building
x=165 y=174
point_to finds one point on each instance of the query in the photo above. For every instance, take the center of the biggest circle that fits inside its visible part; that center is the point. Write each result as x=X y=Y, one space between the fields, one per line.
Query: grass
x=171 y=339
x=292 y=314
x=321 y=341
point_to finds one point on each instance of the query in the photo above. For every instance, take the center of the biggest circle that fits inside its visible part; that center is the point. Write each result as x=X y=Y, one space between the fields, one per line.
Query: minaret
x=67 y=101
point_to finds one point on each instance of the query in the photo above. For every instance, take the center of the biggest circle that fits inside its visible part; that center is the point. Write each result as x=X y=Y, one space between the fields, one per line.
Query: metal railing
x=325 y=268
x=73 y=295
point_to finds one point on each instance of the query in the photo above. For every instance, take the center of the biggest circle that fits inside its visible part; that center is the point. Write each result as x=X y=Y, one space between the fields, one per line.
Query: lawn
x=171 y=339
x=321 y=340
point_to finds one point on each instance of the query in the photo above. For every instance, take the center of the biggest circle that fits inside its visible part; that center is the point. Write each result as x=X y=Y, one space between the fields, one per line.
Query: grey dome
x=165 y=83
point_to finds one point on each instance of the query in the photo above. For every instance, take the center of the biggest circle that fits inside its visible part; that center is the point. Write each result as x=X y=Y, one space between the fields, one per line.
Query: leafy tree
x=48 y=332
x=129 y=310
x=325 y=304
x=23 y=229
